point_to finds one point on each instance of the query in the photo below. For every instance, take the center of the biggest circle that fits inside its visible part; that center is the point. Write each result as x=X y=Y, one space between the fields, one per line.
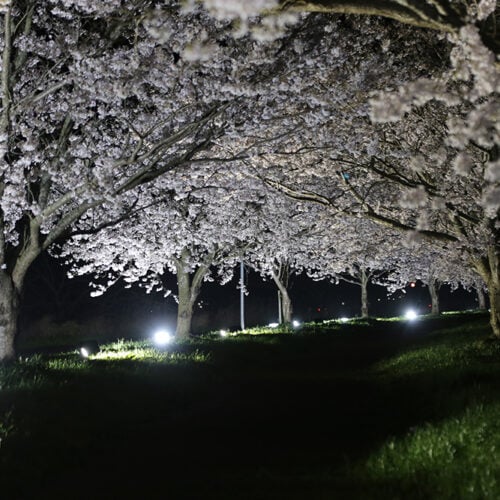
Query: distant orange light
x=413 y=284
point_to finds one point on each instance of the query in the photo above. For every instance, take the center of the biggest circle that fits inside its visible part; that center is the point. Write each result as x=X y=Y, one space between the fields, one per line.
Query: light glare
x=84 y=352
x=162 y=337
x=343 y=319
x=273 y=325
x=223 y=333
x=410 y=315
x=296 y=323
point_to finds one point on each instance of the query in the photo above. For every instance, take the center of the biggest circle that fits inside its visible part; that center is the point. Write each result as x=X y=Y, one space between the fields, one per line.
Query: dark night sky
x=132 y=313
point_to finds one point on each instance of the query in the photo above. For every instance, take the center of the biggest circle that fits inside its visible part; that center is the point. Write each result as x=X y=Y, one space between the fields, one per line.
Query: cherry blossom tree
x=88 y=116
x=282 y=232
x=353 y=250
x=181 y=234
x=100 y=101
x=432 y=264
x=431 y=166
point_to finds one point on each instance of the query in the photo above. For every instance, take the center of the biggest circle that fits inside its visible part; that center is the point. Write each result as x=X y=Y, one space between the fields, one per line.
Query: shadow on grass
x=285 y=416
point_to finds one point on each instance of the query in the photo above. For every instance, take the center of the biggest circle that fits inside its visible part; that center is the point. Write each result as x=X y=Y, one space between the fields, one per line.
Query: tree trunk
x=185 y=307
x=434 y=287
x=494 y=293
x=286 y=306
x=364 y=279
x=481 y=297
x=9 y=313
x=488 y=269
x=188 y=291
x=286 y=301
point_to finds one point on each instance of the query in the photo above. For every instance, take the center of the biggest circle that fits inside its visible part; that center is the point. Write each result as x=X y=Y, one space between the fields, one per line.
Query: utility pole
x=242 y=295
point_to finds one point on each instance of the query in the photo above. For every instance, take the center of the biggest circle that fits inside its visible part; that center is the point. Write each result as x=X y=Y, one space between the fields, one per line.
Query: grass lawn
x=380 y=409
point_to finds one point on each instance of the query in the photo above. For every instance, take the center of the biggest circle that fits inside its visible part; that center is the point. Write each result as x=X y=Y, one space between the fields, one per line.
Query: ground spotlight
x=88 y=348
x=295 y=323
x=223 y=333
x=273 y=325
x=410 y=315
x=162 y=338
x=343 y=319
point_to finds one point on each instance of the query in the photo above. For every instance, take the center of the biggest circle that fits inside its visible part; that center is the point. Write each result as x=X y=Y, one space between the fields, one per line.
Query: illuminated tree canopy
x=121 y=122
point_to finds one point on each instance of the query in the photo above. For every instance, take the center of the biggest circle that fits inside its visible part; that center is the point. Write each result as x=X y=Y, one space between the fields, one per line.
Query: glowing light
x=223 y=333
x=343 y=319
x=295 y=323
x=88 y=348
x=273 y=325
x=413 y=284
x=162 y=337
x=411 y=315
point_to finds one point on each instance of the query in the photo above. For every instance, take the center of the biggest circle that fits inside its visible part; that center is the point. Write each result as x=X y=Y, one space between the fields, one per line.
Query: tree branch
x=440 y=15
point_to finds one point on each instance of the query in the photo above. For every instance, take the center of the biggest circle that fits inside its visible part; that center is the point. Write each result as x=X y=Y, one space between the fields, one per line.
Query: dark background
x=53 y=304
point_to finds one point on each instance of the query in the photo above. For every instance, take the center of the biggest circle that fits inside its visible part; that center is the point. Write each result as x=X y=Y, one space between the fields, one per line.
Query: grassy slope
x=382 y=410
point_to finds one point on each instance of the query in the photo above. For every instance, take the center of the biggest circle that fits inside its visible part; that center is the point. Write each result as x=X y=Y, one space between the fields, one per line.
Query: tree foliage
x=134 y=133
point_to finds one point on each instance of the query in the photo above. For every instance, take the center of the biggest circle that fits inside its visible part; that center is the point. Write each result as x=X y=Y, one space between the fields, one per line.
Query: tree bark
x=188 y=286
x=434 y=287
x=364 y=279
x=286 y=301
x=481 y=298
x=488 y=269
x=9 y=313
x=286 y=305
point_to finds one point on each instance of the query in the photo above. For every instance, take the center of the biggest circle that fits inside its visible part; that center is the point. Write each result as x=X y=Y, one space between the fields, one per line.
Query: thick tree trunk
x=434 y=287
x=364 y=279
x=185 y=308
x=488 y=269
x=286 y=305
x=188 y=291
x=286 y=301
x=9 y=312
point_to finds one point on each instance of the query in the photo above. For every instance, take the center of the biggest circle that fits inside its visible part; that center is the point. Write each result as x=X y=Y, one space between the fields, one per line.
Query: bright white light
x=295 y=323
x=273 y=325
x=84 y=352
x=223 y=333
x=410 y=315
x=162 y=337
x=343 y=319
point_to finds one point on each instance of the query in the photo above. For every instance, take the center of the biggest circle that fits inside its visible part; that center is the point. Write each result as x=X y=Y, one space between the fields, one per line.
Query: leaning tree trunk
x=11 y=285
x=364 y=279
x=494 y=292
x=286 y=301
x=434 y=287
x=488 y=269
x=9 y=313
